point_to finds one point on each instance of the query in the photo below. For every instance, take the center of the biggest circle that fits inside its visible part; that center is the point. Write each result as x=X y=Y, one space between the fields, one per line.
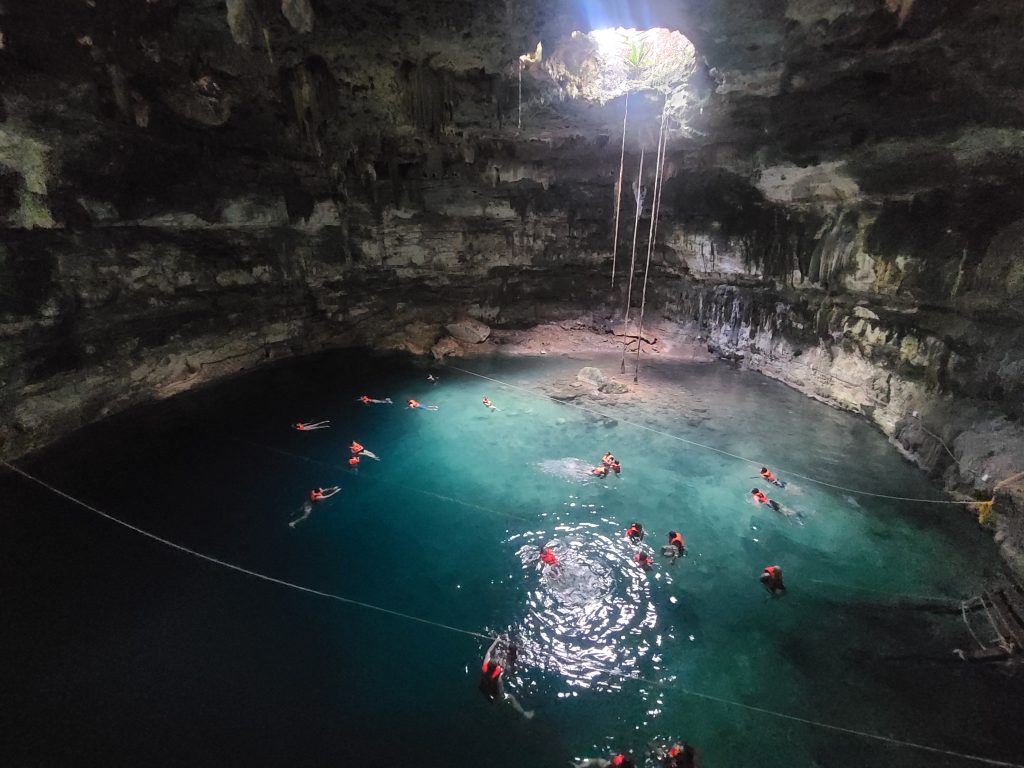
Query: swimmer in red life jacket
x=417 y=404
x=315 y=496
x=607 y=460
x=489 y=404
x=618 y=761
x=644 y=560
x=492 y=671
x=767 y=475
x=357 y=450
x=635 y=533
x=616 y=467
x=771 y=577
x=760 y=498
x=677 y=756
x=601 y=472
x=548 y=557
x=367 y=400
x=675 y=548
x=309 y=427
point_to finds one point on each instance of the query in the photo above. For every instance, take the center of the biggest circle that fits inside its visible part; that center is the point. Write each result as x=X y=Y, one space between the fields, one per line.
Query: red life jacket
x=355 y=447
x=767 y=475
x=549 y=558
x=773 y=570
x=315 y=496
x=633 y=531
x=413 y=404
x=353 y=461
x=761 y=498
x=618 y=760
x=365 y=398
x=495 y=673
x=678 y=541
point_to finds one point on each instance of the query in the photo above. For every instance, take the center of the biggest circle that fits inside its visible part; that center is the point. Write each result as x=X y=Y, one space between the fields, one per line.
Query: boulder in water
x=446 y=347
x=593 y=376
x=469 y=330
x=613 y=388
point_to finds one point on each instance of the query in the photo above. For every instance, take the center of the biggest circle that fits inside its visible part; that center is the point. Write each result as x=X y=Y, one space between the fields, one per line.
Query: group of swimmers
x=608 y=464
x=501 y=656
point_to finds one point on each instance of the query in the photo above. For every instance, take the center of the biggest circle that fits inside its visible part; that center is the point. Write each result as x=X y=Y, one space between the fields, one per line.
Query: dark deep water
x=119 y=650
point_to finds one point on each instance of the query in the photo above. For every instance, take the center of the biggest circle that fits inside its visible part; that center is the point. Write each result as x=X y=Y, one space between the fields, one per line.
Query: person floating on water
x=366 y=400
x=675 y=548
x=316 y=495
x=492 y=671
x=616 y=467
x=357 y=450
x=601 y=471
x=635 y=533
x=771 y=577
x=549 y=558
x=607 y=460
x=677 y=756
x=432 y=378
x=489 y=404
x=767 y=475
x=760 y=498
x=644 y=560
x=619 y=761
x=418 y=404
x=303 y=427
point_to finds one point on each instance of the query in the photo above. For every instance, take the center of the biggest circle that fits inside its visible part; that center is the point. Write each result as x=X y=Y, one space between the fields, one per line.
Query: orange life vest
x=678 y=541
x=767 y=475
x=761 y=498
x=365 y=398
x=549 y=558
x=353 y=461
x=355 y=447
x=495 y=673
x=413 y=404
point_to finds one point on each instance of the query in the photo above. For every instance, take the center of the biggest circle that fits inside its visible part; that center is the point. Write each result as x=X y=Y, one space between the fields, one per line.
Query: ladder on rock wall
x=995 y=620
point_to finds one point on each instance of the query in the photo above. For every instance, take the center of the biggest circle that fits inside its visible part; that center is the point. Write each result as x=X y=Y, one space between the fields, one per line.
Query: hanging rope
x=632 y=261
x=232 y=566
x=618 y=189
x=655 y=206
x=706 y=447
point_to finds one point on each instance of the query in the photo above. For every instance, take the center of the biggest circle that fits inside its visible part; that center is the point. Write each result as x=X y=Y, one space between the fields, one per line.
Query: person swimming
x=760 y=498
x=432 y=378
x=767 y=475
x=644 y=560
x=618 y=761
x=616 y=467
x=677 y=756
x=492 y=672
x=635 y=533
x=366 y=400
x=675 y=548
x=489 y=404
x=771 y=578
x=357 y=450
x=548 y=557
x=315 y=496
x=607 y=460
x=421 y=406
x=600 y=471
x=353 y=461
x=304 y=427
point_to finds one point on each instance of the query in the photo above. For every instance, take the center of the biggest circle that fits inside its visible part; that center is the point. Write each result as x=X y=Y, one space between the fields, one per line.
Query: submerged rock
x=446 y=347
x=592 y=375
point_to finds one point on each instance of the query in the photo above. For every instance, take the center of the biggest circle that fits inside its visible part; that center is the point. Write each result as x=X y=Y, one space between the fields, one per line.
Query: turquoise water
x=128 y=651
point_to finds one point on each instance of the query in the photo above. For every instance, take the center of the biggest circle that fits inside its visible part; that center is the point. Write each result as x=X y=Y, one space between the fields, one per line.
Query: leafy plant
x=637 y=58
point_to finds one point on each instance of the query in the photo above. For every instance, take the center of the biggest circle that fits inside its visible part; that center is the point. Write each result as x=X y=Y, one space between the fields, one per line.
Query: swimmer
x=357 y=450
x=616 y=467
x=767 y=475
x=366 y=400
x=644 y=560
x=601 y=472
x=635 y=533
x=675 y=548
x=311 y=426
x=771 y=577
x=320 y=494
x=489 y=404
x=760 y=498
x=491 y=684
x=353 y=461
x=619 y=761
x=608 y=459
x=677 y=756
x=432 y=378
x=548 y=557
x=418 y=404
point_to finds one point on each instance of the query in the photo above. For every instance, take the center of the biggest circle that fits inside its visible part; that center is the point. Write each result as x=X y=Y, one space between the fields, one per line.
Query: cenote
x=136 y=653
